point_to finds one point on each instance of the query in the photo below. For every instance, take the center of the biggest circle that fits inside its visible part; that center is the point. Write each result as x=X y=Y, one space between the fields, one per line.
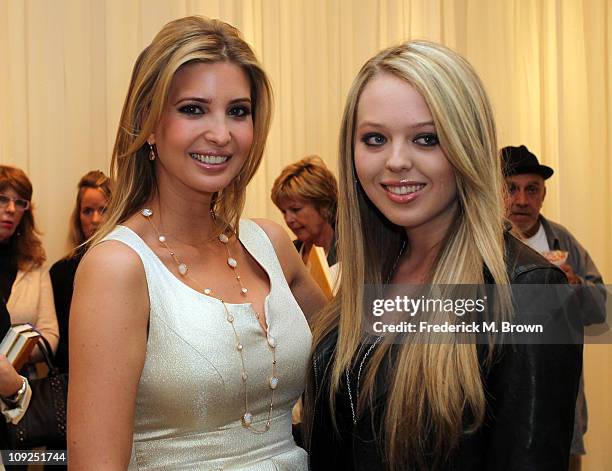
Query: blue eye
x=191 y=110
x=239 y=111
x=427 y=140
x=374 y=139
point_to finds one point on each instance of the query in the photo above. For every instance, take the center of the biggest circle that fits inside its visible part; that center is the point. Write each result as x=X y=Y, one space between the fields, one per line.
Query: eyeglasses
x=20 y=204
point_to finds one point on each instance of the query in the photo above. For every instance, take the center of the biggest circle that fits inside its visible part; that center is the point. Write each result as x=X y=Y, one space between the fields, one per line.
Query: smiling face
x=398 y=158
x=206 y=130
x=10 y=215
x=524 y=200
x=92 y=212
x=303 y=219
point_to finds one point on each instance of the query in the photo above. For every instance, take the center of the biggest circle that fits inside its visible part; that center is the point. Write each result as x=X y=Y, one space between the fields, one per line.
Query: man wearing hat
x=525 y=181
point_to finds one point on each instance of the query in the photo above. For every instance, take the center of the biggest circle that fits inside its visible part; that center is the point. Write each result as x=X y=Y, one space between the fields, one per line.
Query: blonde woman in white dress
x=189 y=341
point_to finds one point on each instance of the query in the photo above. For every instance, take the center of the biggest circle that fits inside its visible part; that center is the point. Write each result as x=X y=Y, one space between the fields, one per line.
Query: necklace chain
x=272 y=382
x=397 y=259
x=376 y=341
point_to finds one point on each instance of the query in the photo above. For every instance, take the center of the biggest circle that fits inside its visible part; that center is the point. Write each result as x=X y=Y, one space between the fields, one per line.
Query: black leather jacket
x=531 y=394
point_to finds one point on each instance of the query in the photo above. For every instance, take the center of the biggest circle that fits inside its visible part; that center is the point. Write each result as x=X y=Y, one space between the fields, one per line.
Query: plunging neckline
x=265 y=329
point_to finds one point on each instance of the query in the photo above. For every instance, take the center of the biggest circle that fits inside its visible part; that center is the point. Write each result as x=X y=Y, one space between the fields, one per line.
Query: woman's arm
x=108 y=335
x=15 y=392
x=306 y=291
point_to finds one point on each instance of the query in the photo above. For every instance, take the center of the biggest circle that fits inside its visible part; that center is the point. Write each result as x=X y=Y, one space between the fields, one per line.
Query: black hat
x=518 y=160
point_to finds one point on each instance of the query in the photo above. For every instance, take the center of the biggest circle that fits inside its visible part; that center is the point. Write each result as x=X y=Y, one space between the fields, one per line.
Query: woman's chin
x=5 y=235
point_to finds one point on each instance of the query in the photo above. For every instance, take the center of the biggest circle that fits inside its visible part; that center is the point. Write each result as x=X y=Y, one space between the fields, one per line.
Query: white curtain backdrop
x=65 y=67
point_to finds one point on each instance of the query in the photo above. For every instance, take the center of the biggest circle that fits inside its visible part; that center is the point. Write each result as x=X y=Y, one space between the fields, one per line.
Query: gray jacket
x=593 y=295
x=592 y=299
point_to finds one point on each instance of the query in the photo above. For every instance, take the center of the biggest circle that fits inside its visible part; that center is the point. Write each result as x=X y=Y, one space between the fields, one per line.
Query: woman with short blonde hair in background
x=421 y=204
x=188 y=343
x=306 y=192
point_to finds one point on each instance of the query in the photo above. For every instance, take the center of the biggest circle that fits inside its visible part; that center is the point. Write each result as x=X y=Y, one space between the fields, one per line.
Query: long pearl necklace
x=272 y=383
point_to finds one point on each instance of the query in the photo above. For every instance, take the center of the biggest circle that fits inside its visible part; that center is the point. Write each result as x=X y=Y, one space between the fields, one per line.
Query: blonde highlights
x=308 y=180
x=180 y=42
x=435 y=390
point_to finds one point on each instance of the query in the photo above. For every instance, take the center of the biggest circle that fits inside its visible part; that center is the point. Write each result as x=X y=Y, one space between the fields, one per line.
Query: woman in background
x=93 y=196
x=25 y=289
x=421 y=204
x=24 y=283
x=306 y=192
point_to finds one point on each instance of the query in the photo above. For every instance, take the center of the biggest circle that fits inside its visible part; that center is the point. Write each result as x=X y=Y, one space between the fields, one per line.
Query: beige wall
x=65 y=65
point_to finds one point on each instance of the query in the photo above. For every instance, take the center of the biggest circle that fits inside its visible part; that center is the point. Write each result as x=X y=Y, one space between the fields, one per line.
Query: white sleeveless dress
x=190 y=398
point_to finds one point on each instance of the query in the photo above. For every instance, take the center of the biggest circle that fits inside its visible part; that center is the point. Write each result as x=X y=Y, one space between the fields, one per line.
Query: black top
x=5 y=320
x=8 y=270
x=62 y=279
x=531 y=394
x=5 y=324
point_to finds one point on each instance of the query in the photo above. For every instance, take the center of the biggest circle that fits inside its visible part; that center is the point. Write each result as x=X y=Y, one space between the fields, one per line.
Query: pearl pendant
x=247 y=419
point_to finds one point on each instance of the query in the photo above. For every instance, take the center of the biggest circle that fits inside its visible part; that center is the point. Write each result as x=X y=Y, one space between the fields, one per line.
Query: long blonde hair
x=182 y=41
x=431 y=385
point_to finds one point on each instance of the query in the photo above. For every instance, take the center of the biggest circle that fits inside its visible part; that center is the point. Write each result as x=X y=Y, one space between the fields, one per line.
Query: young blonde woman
x=421 y=203
x=188 y=345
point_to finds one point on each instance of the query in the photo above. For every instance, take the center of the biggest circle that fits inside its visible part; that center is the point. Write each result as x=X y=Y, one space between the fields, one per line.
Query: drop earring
x=151 y=151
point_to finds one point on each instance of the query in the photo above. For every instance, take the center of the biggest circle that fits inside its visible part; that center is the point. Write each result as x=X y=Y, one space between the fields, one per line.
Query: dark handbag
x=44 y=422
